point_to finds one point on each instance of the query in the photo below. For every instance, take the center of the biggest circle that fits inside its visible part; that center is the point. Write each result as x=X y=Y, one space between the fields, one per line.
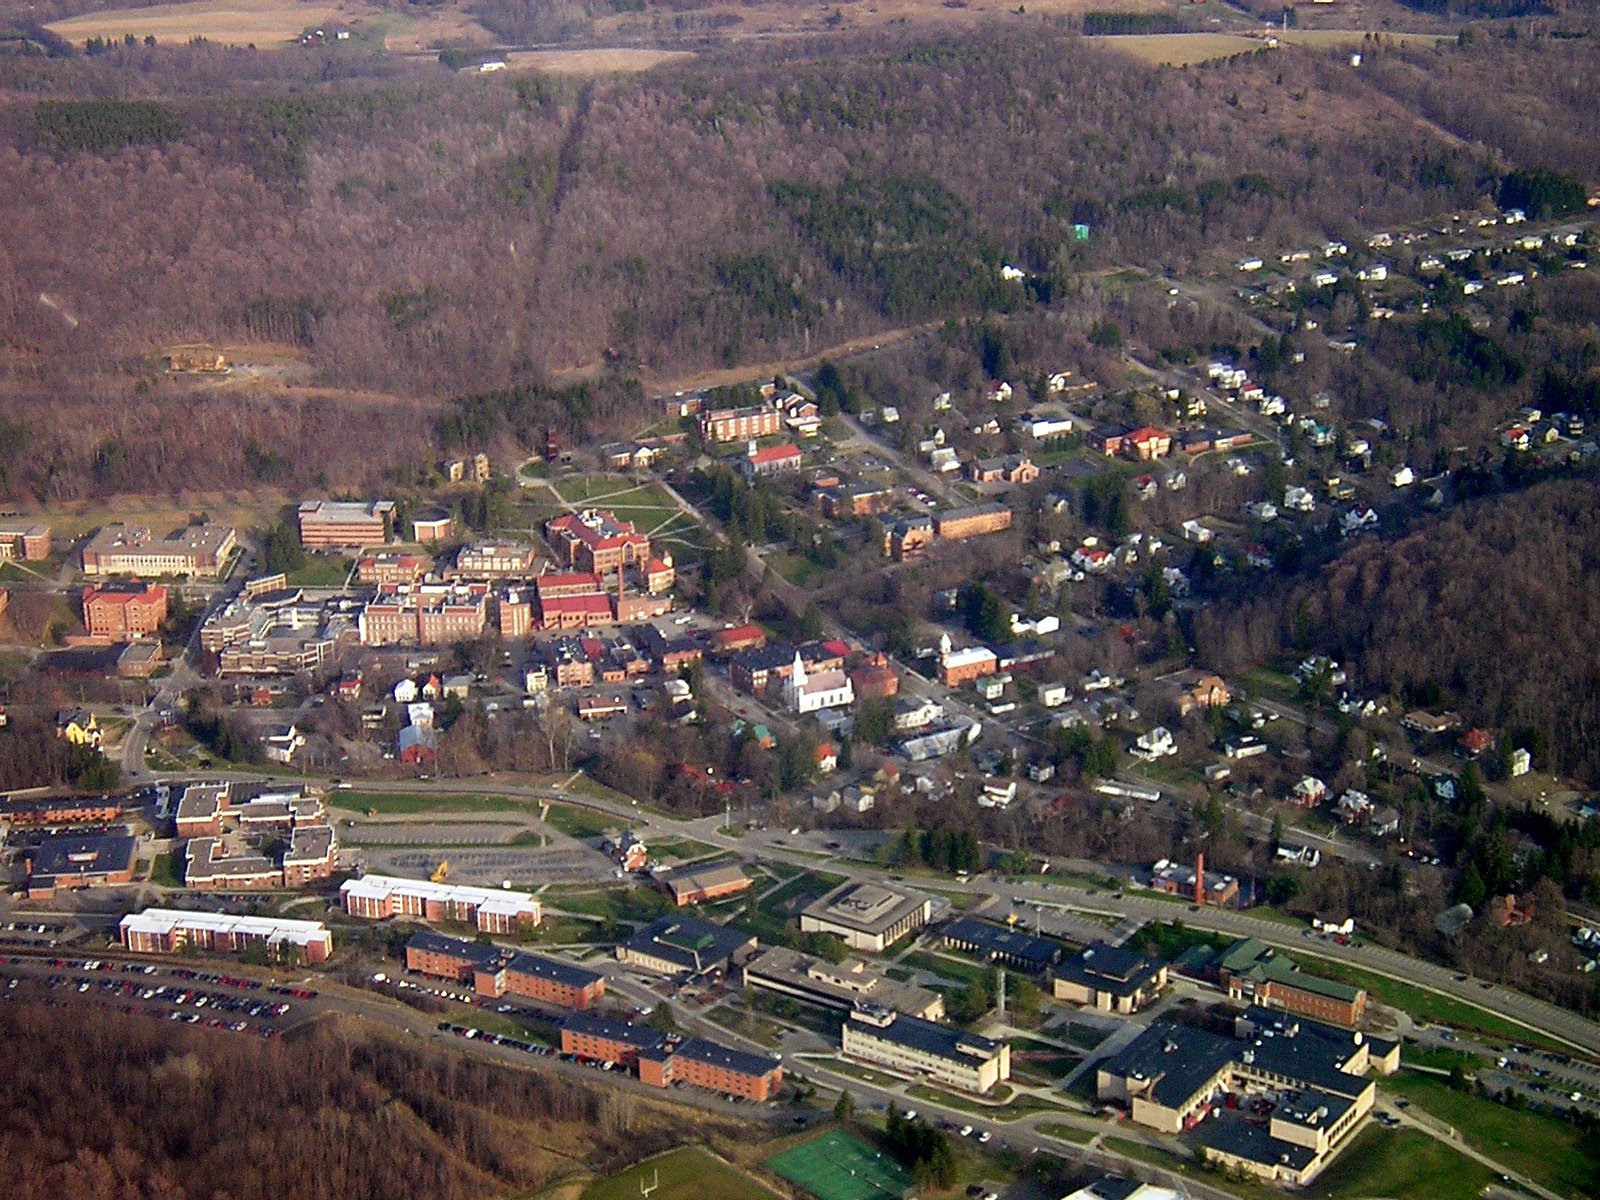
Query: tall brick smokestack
x=1200 y=878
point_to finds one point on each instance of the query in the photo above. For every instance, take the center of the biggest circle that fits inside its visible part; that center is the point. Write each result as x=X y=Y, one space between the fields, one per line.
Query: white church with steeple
x=808 y=693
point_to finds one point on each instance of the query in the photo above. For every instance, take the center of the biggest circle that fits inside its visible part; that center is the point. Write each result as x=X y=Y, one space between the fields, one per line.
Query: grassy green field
x=1398 y=1165
x=579 y=822
x=950 y=968
x=689 y=1173
x=321 y=570
x=408 y=803
x=1067 y=1133
x=165 y=872
x=1545 y=1149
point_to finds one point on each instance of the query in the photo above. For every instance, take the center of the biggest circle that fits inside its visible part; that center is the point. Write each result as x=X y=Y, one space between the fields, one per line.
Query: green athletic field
x=837 y=1166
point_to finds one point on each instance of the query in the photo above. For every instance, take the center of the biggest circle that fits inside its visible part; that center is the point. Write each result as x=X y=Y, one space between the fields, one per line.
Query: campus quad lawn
x=1546 y=1149
x=1400 y=1164
x=687 y=1174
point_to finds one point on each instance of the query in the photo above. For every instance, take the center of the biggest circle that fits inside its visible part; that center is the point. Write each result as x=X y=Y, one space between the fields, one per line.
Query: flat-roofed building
x=703 y=883
x=344 y=524
x=740 y=424
x=24 y=539
x=494 y=560
x=119 y=549
x=679 y=945
x=490 y=910
x=310 y=855
x=59 y=810
x=169 y=931
x=74 y=861
x=947 y=1055
x=210 y=865
x=955 y=524
x=1109 y=978
x=1172 y=1076
x=124 y=611
x=392 y=570
x=868 y=916
x=839 y=986
x=998 y=944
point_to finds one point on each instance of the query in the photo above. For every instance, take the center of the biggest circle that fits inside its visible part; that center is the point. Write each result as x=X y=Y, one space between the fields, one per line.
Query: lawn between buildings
x=1546 y=1149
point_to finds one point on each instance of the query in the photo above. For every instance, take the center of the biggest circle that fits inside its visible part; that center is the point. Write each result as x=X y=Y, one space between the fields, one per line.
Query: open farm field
x=260 y=23
x=1179 y=49
x=611 y=60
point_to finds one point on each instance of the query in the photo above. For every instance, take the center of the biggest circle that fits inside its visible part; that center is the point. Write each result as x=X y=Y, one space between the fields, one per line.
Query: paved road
x=1534 y=1014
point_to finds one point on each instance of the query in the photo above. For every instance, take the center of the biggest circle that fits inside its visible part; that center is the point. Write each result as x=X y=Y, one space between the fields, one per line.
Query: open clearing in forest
x=615 y=60
x=261 y=23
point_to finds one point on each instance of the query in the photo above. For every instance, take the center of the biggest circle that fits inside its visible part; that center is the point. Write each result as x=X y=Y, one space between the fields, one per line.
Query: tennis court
x=837 y=1166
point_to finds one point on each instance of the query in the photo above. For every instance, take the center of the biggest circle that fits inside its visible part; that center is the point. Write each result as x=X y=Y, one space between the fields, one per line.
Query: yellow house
x=79 y=727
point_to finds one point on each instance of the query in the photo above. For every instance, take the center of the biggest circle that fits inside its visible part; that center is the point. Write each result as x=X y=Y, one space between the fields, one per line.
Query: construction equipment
x=441 y=872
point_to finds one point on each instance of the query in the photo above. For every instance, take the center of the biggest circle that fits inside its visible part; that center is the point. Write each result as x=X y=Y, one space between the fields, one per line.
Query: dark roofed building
x=997 y=944
x=78 y=861
x=1110 y=978
x=686 y=946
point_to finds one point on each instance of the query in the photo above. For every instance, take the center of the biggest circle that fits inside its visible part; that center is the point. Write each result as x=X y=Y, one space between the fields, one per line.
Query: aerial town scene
x=865 y=602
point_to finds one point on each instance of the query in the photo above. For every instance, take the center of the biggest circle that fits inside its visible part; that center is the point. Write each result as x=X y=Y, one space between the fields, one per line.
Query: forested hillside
x=125 y=1108
x=415 y=234
x=1494 y=609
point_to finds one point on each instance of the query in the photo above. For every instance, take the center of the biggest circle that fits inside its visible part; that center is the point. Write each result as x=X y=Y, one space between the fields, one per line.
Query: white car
x=985 y=1136
x=966 y=1131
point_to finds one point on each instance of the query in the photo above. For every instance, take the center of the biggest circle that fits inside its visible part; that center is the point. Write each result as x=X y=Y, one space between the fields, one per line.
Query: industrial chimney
x=1200 y=878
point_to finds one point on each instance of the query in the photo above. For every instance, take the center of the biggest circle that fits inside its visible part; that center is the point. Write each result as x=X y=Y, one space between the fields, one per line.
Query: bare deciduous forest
x=1487 y=604
x=416 y=236
x=126 y=1108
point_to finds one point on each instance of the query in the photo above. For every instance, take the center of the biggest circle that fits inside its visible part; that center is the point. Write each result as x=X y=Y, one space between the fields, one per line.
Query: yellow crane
x=441 y=872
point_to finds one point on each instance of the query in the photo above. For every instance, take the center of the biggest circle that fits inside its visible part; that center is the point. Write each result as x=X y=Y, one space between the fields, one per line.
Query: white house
x=1155 y=744
x=1298 y=499
x=283 y=743
x=997 y=793
x=1521 y=762
x=1403 y=477
x=1052 y=695
x=405 y=691
x=420 y=714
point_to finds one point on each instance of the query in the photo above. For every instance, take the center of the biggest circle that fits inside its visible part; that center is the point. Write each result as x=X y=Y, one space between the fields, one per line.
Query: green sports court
x=837 y=1166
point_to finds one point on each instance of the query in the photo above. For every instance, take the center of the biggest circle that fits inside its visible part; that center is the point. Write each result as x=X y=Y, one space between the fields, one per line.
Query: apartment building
x=344 y=525
x=132 y=550
x=124 y=611
x=495 y=971
x=944 y=1054
x=490 y=910
x=740 y=424
x=24 y=539
x=392 y=570
x=426 y=615
x=662 y=1060
x=955 y=524
x=169 y=931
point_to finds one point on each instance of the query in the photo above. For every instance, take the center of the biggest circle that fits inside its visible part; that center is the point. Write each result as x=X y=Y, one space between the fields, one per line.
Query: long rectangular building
x=491 y=910
x=663 y=1060
x=24 y=539
x=75 y=861
x=169 y=931
x=839 y=986
x=947 y=1055
x=495 y=971
x=344 y=525
x=132 y=550
x=997 y=944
